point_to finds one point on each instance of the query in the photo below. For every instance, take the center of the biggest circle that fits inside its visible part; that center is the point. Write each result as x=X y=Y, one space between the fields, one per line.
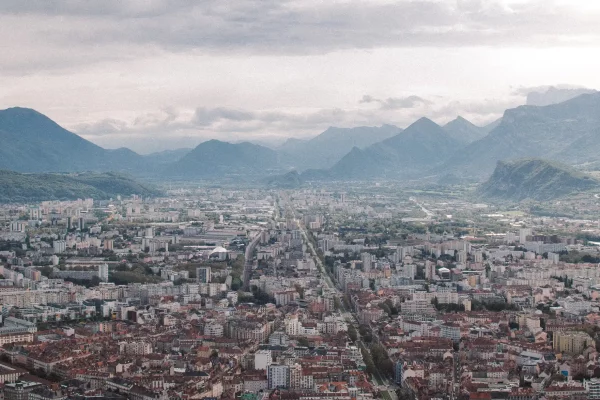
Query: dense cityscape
x=356 y=292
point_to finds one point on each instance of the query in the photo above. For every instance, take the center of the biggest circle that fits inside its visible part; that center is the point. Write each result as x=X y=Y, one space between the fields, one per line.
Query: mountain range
x=326 y=149
x=534 y=179
x=417 y=148
x=567 y=132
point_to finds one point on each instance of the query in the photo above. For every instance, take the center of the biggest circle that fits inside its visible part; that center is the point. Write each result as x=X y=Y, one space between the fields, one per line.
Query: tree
x=352 y=334
x=336 y=303
x=365 y=333
x=393 y=309
x=368 y=361
x=382 y=360
x=303 y=342
x=385 y=308
x=300 y=290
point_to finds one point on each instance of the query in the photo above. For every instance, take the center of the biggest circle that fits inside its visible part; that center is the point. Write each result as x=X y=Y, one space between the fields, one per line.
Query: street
x=387 y=388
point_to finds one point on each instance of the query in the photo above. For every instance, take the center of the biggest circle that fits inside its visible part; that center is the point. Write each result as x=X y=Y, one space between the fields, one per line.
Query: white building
x=292 y=326
x=262 y=359
x=592 y=386
x=103 y=272
x=278 y=376
x=213 y=329
x=59 y=246
x=136 y=348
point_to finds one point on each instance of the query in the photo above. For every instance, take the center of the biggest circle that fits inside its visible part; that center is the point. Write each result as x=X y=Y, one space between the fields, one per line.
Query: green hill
x=534 y=179
x=290 y=180
x=16 y=187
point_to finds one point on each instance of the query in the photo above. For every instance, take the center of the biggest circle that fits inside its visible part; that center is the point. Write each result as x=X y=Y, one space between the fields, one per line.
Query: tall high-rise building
x=523 y=233
x=278 y=376
x=35 y=213
x=429 y=269
x=59 y=246
x=203 y=274
x=367 y=261
x=103 y=272
x=573 y=343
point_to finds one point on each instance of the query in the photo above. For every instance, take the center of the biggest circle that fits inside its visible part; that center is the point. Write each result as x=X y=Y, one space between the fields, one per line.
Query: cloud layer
x=94 y=28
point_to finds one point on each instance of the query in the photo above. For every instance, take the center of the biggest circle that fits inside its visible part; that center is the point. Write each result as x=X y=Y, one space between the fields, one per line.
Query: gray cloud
x=550 y=94
x=396 y=103
x=107 y=126
x=478 y=111
x=207 y=116
x=526 y=90
x=286 y=26
x=169 y=128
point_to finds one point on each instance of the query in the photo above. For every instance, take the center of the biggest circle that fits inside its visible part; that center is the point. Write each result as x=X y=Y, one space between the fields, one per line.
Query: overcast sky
x=159 y=74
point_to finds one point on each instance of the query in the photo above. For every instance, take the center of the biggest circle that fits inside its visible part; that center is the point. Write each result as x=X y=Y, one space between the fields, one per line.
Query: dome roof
x=218 y=249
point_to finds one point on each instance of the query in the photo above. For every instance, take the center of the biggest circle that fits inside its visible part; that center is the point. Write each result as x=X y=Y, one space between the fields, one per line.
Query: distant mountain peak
x=424 y=121
x=21 y=111
x=423 y=125
x=460 y=120
x=24 y=117
x=464 y=131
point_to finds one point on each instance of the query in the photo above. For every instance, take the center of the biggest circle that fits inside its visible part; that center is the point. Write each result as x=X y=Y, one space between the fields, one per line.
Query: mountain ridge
x=327 y=148
x=422 y=143
x=534 y=179
x=464 y=131
x=214 y=158
x=32 y=142
x=565 y=132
